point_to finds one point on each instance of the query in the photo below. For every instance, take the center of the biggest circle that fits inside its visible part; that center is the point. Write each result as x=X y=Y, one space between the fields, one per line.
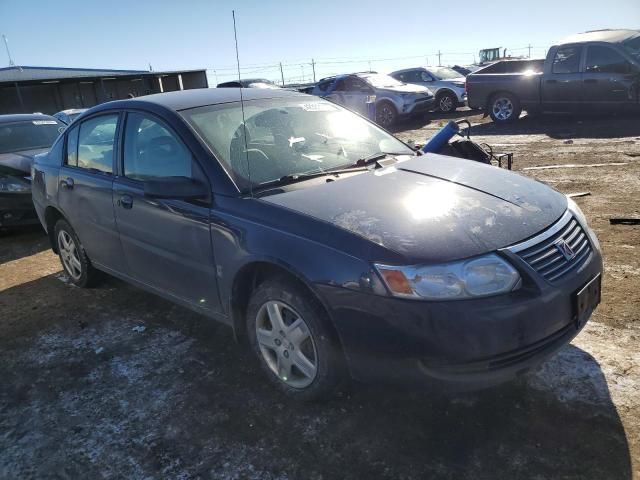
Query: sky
x=339 y=36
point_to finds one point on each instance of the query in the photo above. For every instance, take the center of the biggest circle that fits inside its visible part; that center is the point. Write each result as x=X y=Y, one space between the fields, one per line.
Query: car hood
x=432 y=208
x=408 y=88
x=21 y=160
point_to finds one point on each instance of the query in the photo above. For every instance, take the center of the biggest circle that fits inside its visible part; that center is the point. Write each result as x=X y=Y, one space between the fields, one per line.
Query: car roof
x=71 y=111
x=611 y=36
x=25 y=117
x=185 y=99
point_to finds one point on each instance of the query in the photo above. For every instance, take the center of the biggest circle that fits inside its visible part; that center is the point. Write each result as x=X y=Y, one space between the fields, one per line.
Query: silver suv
x=447 y=85
x=393 y=99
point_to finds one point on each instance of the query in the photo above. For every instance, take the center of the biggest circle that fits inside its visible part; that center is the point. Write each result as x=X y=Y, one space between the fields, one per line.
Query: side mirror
x=181 y=188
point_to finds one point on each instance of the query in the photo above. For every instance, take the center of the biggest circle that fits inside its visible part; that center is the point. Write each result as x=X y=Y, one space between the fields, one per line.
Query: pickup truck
x=589 y=72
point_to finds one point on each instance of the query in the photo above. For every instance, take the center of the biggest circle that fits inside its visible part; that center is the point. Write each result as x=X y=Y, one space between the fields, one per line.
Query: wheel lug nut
x=278 y=342
x=286 y=354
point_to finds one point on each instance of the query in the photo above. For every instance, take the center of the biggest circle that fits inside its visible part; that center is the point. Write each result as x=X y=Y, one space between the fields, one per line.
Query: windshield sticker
x=44 y=122
x=318 y=107
x=315 y=158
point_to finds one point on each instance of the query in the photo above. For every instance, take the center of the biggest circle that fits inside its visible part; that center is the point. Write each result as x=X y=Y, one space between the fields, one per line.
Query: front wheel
x=504 y=108
x=288 y=333
x=447 y=102
x=386 y=114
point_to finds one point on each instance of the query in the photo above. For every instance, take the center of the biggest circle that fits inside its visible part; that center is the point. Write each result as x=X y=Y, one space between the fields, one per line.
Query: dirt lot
x=116 y=383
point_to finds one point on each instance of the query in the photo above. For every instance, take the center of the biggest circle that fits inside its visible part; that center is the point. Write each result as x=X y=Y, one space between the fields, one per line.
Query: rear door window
x=96 y=143
x=72 y=147
x=567 y=60
x=605 y=60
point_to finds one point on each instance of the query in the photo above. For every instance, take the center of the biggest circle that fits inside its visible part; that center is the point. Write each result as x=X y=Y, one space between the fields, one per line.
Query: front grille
x=546 y=257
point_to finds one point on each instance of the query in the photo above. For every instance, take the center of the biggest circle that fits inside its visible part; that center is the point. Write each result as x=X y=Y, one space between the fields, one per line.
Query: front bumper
x=467 y=344
x=16 y=209
x=420 y=106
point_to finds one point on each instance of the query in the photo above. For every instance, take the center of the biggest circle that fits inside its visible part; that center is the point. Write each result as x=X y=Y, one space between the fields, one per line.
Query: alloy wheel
x=69 y=254
x=385 y=116
x=446 y=103
x=286 y=344
x=503 y=108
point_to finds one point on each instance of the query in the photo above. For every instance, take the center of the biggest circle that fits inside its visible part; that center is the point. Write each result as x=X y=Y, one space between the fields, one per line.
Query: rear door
x=610 y=82
x=355 y=95
x=166 y=242
x=85 y=189
x=562 y=82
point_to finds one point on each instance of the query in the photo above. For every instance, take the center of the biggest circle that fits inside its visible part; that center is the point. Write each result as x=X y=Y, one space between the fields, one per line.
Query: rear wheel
x=287 y=331
x=504 y=108
x=74 y=259
x=447 y=102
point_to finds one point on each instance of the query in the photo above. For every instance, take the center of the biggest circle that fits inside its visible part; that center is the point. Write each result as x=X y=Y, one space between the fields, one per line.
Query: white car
x=447 y=85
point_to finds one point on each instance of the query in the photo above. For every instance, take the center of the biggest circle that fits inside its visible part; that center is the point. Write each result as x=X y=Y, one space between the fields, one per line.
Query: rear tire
x=74 y=259
x=447 y=102
x=287 y=330
x=504 y=108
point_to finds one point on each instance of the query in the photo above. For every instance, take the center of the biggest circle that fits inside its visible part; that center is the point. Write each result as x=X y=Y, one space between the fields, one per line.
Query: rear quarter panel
x=482 y=86
x=44 y=173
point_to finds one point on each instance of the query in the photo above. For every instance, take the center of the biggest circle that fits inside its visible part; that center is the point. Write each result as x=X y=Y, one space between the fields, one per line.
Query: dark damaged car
x=22 y=137
x=331 y=246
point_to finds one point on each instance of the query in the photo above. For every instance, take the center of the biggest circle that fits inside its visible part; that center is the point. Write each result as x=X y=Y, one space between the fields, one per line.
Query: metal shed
x=26 y=89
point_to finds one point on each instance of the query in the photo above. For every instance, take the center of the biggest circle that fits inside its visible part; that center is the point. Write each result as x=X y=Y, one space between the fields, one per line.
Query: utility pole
x=313 y=66
x=439 y=58
x=6 y=45
x=302 y=69
x=215 y=74
x=282 y=74
x=529 y=47
x=369 y=64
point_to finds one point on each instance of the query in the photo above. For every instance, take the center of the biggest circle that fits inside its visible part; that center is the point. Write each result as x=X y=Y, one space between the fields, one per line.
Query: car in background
x=447 y=85
x=16 y=206
x=393 y=99
x=68 y=116
x=249 y=83
x=591 y=72
x=22 y=137
x=330 y=246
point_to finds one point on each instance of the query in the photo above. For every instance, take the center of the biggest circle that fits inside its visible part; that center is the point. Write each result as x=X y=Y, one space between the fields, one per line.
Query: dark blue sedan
x=331 y=246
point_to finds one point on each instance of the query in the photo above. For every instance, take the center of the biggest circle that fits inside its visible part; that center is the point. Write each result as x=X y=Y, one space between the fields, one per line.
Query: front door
x=85 y=188
x=609 y=81
x=166 y=242
x=562 y=86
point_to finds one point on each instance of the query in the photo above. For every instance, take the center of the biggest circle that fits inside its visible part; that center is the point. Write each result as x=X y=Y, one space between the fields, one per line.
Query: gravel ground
x=115 y=383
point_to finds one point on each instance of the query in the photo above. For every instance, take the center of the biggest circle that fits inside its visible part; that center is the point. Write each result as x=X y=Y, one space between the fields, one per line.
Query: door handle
x=552 y=81
x=67 y=183
x=590 y=80
x=125 y=201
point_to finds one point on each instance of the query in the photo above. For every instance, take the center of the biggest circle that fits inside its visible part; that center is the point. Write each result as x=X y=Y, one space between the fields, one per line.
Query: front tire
x=447 y=102
x=287 y=330
x=386 y=114
x=74 y=259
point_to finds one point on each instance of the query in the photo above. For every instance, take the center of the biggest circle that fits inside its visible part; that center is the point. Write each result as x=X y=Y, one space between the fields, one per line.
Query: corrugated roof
x=613 y=36
x=25 y=73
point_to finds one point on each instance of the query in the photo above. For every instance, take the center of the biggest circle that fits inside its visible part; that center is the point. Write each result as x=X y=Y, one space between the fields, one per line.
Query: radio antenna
x=244 y=125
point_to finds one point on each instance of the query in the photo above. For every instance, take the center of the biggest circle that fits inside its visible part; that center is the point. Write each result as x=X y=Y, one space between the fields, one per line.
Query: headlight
x=13 y=185
x=477 y=277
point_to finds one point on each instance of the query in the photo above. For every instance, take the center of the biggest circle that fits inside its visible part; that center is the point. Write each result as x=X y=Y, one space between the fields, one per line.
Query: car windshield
x=28 y=135
x=379 y=80
x=632 y=46
x=287 y=137
x=445 y=73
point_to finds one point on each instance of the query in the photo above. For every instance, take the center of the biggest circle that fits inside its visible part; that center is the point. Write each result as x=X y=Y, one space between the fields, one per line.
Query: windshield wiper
x=299 y=177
